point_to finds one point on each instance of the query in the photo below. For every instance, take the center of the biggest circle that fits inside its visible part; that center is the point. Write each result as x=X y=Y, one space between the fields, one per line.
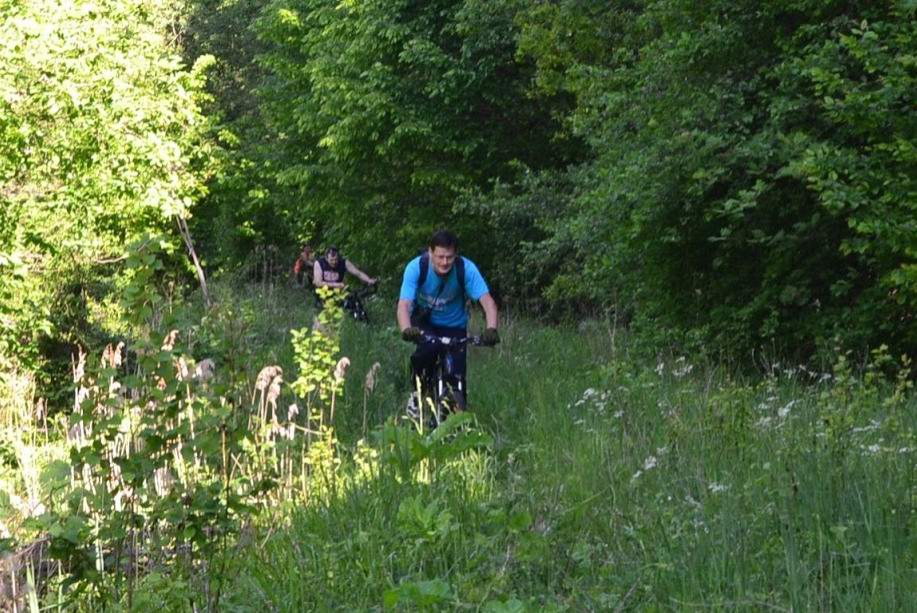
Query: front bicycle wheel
x=448 y=403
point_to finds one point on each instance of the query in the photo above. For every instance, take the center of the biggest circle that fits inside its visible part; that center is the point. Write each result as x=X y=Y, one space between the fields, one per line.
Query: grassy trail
x=611 y=483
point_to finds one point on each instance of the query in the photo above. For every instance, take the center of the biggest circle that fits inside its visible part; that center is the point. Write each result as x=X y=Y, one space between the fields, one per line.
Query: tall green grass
x=615 y=483
x=589 y=477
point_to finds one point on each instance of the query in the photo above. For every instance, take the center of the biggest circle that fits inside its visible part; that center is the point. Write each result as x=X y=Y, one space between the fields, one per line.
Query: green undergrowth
x=587 y=476
x=609 y=482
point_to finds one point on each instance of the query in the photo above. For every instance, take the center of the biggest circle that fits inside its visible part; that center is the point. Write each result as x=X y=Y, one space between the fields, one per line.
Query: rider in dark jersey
x=330 y=270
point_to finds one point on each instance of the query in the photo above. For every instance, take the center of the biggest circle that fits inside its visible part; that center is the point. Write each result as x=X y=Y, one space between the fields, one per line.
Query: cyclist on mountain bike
x=435 y=304
x=330 y=269
x=302 y=267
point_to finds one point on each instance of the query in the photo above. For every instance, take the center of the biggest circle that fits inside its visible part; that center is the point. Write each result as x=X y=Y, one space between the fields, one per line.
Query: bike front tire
x=453 y=401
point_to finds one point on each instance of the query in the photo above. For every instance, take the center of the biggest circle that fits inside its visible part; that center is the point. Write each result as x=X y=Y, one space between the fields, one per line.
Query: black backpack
x=425 y=269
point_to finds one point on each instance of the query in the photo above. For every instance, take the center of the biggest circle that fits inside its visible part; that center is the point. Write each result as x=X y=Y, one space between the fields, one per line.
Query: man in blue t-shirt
x=441 y=300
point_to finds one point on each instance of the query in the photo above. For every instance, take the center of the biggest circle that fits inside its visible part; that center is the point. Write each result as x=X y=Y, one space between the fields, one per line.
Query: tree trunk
x=186 y=236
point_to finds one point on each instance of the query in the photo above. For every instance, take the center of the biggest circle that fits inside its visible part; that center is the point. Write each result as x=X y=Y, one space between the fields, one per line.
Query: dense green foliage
x=732 y=173
x=100 y=144
x=754 y=170
x=702 y=179
x=387 y=111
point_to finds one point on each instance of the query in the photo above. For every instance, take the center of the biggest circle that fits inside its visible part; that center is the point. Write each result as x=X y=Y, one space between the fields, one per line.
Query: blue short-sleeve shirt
x=448 y=309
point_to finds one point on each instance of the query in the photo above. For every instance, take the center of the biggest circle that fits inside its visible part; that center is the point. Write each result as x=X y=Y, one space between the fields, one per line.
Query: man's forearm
x=403 y=314
x=359 y=274
x=491 y=314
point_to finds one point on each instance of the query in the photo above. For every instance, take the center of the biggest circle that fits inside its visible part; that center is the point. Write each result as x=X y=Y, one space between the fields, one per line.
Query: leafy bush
x=753 y=174
x=101 y=142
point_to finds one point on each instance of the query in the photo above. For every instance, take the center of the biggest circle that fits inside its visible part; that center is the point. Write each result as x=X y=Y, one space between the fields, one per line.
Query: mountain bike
x=444 y=393
x=353 y=302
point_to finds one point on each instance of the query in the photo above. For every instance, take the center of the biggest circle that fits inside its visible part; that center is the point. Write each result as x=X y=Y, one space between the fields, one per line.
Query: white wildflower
x=682 y=368
x=203 y=371
x=785 y=409
x=181 y=369
x=273 y=392
x=873 y=425
x=267 y=375
x=650 y=463
x=717 y=487
x=370 y=384
x=169 y=342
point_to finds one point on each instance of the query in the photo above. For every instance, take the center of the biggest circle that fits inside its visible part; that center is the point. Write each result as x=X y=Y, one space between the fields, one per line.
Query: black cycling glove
x=490 y=337
x=412 y=335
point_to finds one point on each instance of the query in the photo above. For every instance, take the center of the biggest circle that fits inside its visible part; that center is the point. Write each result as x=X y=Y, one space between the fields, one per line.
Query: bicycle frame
x=353 y=302
x=448 y=392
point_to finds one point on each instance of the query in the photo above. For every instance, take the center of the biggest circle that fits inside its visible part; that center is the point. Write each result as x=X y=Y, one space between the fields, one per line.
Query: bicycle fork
x=450 y=391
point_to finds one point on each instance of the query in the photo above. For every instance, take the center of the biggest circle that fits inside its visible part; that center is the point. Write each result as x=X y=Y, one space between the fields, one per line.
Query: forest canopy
x=730 y=174
x=737 y=173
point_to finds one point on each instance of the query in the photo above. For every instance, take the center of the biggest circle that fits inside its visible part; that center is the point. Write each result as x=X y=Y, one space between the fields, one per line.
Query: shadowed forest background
x=733 y=175
x=701 y=213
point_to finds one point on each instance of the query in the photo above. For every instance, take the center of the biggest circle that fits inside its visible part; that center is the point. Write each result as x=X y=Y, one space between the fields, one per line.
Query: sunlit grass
x=665 y=484
x=609 y=480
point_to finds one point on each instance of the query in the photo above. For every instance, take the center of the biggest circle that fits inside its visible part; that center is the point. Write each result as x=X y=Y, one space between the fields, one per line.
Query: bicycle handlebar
x=449 y=341
x=366 y=290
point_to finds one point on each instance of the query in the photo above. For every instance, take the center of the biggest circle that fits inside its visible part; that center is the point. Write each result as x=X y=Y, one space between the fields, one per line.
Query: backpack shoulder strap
x=460 y=274
x=424 y=269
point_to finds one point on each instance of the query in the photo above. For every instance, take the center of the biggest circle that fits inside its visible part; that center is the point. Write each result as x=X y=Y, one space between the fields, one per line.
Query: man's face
x=332 y=257
x=442 y=259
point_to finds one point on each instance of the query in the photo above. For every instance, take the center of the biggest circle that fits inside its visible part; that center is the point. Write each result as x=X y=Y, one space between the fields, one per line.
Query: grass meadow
x=611 y=481
x=589 y=475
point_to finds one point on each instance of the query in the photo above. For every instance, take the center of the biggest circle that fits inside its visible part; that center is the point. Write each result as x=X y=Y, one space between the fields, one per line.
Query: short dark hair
x=444 y=238
x=332 y=250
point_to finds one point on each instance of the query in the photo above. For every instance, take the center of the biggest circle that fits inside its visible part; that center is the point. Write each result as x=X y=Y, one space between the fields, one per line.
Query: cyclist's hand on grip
x=490 y=337
x=412 y=334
